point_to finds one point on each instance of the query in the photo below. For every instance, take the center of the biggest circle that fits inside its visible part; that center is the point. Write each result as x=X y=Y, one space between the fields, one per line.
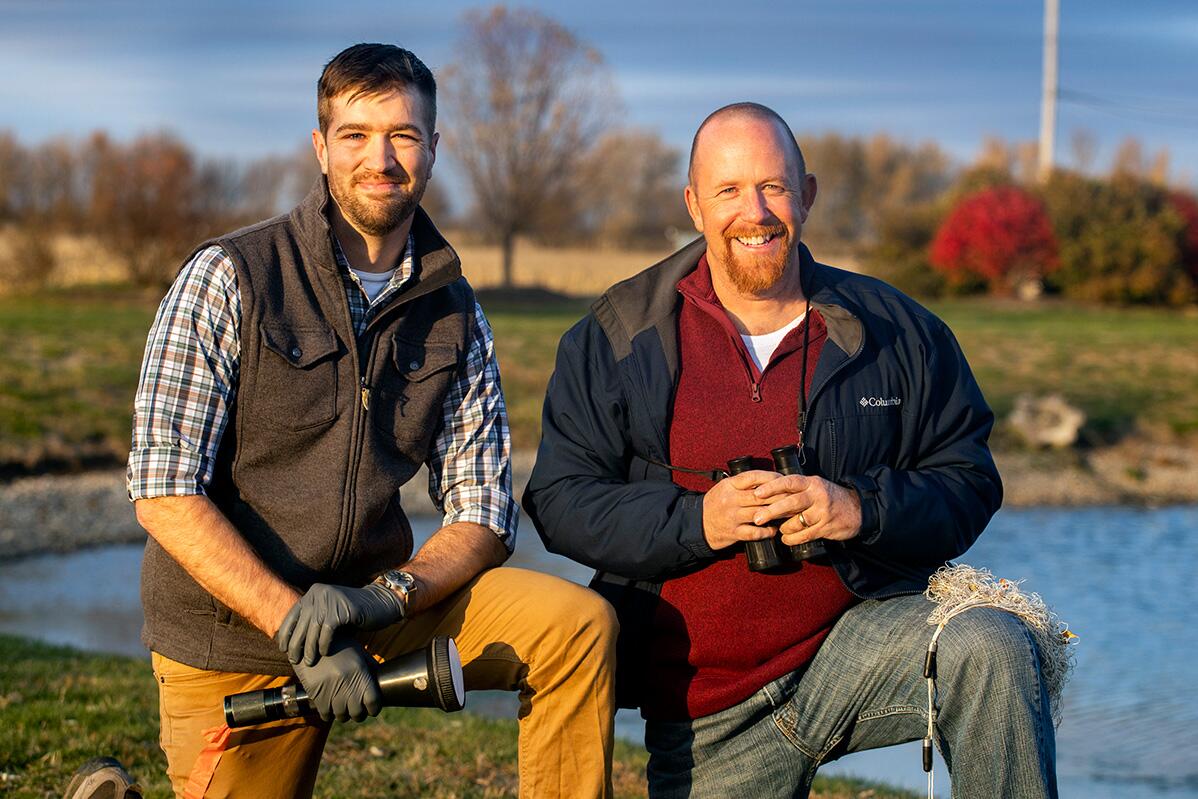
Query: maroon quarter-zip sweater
x=722 y=632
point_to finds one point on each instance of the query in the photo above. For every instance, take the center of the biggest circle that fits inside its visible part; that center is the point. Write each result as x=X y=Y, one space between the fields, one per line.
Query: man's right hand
x=729 y=507
x=309 y=626
x=342 y=685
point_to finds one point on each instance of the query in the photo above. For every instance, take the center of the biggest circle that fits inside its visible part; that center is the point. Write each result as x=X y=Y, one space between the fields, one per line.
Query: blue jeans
x=865 y=689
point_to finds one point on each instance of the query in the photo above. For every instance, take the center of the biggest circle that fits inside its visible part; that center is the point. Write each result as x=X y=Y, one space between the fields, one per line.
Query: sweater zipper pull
x=755 y=391
x=365 y=395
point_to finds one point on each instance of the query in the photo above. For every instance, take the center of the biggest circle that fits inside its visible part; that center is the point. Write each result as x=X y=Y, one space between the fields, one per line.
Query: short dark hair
x=754 y=111
x=366 y=69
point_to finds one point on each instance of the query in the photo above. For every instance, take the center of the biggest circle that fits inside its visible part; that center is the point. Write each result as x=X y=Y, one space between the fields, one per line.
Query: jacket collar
x=434 y=260
x=650 y=299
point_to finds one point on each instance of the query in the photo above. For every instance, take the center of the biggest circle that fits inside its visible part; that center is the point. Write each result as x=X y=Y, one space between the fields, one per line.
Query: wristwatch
x=401 y=583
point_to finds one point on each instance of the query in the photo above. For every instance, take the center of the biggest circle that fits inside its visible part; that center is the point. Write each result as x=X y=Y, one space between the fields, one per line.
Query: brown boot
x=102 y=778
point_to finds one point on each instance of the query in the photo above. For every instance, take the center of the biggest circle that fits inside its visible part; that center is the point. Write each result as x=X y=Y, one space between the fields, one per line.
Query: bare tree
x=41 y=195
x=1158 y=168
x=864 y=181
x=151 y=202
x=525 y=102
x=274 y=184
x=1083 y=146
x=639 y=202
x=1128 y=161
x=11 y=155
x=996 y=155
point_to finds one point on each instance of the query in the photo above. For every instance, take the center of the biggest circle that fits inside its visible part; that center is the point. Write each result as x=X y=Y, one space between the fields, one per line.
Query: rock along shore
x=61 y=513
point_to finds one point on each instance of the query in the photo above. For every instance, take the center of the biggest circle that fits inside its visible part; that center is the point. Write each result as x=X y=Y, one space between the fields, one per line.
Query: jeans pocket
x=787 y=720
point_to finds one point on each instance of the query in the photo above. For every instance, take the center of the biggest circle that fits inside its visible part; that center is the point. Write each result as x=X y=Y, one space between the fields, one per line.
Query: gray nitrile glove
x=311 y=622
x=342 y=685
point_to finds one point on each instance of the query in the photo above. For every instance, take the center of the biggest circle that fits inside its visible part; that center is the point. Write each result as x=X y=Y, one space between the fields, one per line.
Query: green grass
x=60 y=707
x=1122 y=366
x=68 y=370
x=526 y=337
x=69 y=363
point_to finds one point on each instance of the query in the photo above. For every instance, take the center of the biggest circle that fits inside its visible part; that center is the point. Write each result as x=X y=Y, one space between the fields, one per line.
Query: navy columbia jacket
x=894 y=412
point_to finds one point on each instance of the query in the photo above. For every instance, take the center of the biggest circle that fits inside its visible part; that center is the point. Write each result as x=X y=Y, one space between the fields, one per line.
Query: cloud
x=46 y=91
x=638 y=87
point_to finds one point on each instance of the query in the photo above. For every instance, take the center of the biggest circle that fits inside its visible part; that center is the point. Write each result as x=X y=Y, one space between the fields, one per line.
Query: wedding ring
x=803 y=520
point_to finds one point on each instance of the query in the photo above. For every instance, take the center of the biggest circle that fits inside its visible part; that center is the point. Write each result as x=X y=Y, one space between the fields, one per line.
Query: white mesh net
x=956 y=589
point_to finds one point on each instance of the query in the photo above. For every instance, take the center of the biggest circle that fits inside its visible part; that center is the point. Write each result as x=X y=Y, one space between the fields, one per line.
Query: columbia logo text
x=880 y=402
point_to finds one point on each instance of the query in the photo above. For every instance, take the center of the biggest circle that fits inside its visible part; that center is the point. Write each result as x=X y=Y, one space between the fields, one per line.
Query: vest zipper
x=361 y=421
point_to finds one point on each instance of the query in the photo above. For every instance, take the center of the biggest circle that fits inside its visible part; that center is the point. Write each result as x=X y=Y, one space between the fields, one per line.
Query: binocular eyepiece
x=771 y=554
x=429 y=677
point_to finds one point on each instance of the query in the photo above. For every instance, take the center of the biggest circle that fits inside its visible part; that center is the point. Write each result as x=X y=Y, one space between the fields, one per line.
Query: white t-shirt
x=373 y=283
x=761 y=348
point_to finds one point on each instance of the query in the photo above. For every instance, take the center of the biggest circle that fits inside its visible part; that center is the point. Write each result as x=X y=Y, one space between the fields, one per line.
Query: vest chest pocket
x=296 y=383
x=410 y=395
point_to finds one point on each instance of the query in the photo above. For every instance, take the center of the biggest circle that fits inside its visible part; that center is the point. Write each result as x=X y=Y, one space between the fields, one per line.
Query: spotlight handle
x=434 y=680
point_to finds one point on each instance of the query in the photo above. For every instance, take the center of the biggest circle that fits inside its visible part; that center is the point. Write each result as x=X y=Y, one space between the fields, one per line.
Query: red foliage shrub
x=1186 y=206
x=1001 y=235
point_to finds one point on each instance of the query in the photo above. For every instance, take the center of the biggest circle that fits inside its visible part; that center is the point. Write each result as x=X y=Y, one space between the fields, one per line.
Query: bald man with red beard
x=739 y=344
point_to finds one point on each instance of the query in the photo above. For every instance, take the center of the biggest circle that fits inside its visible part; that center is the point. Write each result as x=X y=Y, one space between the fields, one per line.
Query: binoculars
x=429 y=677
x=771 y=554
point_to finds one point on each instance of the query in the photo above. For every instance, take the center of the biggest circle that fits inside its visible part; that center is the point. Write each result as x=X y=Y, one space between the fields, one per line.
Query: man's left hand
x=812 y=508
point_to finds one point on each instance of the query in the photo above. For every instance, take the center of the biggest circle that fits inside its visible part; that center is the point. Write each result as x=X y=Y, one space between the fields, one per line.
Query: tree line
x=1126 y=235
x=528 y=112
x=146 y=201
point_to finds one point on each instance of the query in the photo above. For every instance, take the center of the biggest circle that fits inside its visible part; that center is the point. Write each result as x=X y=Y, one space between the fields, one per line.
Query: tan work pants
x=551 y=640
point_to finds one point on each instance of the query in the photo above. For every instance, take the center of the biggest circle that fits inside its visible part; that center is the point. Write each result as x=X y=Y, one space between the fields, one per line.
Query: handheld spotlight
x=429 y=677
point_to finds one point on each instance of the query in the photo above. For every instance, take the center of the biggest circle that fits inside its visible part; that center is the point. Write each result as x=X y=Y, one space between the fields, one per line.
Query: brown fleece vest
x=324 y=428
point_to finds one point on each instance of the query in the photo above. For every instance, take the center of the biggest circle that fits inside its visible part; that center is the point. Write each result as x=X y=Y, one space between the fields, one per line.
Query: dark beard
x=377 y=218
x=755 y=274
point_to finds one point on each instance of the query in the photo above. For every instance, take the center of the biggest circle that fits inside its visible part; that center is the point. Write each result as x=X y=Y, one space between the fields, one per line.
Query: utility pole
x=1048 y=98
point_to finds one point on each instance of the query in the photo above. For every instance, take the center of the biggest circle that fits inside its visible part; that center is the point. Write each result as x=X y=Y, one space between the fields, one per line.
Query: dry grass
x=584 y=271
x=579 y=271
x=79 y=260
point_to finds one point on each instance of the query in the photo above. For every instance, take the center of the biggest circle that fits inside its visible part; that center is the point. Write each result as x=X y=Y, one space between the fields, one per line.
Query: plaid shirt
x=189 y=378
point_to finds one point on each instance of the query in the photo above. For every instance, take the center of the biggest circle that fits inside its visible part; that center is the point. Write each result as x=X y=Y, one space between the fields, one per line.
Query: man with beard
x=739 y=344
x=298 y=373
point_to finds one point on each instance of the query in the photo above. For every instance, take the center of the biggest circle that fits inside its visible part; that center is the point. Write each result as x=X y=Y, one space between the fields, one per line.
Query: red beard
x=751 y=273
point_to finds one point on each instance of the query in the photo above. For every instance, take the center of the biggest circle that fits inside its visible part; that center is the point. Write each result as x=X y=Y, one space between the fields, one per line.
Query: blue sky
x=237 y=79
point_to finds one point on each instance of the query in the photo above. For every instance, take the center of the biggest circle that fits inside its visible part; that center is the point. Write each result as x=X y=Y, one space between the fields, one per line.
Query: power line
x=1168 y=116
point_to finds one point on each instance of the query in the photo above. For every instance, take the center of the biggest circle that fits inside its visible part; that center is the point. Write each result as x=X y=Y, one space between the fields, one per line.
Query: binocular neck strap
x=714 y=475
x=803 y=373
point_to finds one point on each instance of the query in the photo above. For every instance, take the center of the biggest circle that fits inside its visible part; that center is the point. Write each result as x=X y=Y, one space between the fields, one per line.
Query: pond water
x=1123 y=578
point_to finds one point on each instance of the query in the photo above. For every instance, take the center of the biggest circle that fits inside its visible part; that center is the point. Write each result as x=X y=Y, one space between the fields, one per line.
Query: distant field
x=570 y=270
x=69 y=358
x=80 y=260
x=577 y=271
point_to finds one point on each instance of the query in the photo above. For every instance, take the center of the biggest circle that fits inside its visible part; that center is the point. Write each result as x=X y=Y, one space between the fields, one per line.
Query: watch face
x=398 y=579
